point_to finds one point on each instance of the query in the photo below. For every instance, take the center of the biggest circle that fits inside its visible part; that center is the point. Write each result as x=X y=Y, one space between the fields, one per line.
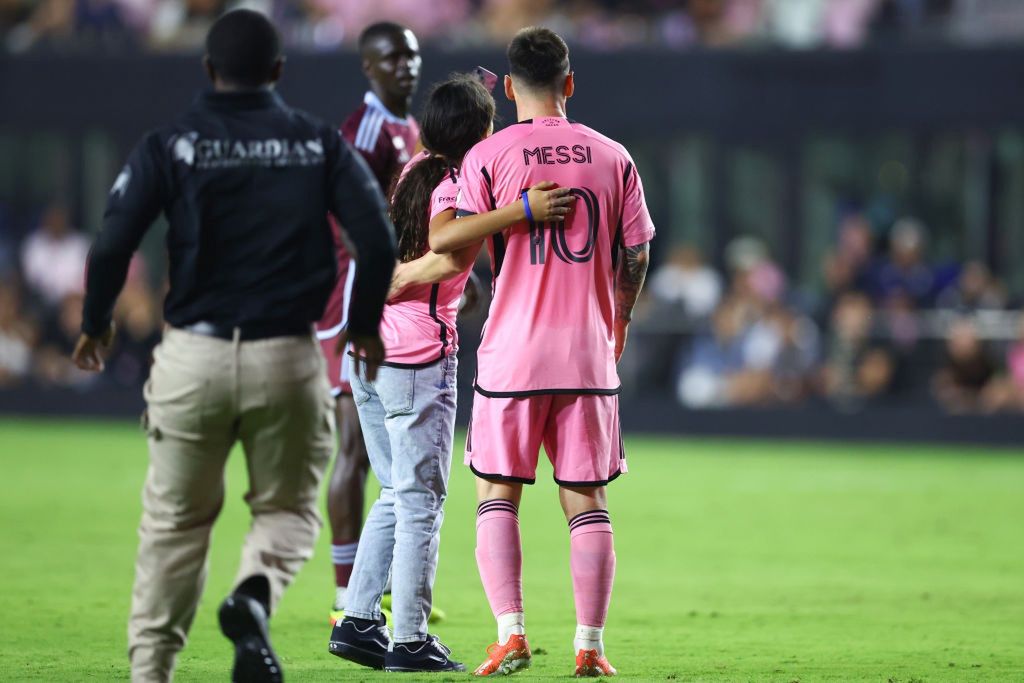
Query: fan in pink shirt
x=562 y=300
x=418 y=328
x=383 y=131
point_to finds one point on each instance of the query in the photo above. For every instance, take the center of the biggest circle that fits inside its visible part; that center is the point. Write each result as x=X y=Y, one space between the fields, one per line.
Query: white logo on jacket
x=121 y=182
x=184 y=148
x=206 y=153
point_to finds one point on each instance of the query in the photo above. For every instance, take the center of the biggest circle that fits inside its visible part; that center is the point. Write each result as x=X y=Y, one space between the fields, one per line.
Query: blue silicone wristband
x=526 y=205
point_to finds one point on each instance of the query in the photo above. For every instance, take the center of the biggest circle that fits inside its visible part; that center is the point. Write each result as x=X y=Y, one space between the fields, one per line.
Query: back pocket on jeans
x=397 y=390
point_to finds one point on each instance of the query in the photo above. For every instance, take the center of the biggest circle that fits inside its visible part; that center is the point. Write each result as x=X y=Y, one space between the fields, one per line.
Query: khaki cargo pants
x=203 y=395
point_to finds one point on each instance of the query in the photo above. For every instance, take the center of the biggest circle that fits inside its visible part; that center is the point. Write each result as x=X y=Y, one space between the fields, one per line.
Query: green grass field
x=738 y=561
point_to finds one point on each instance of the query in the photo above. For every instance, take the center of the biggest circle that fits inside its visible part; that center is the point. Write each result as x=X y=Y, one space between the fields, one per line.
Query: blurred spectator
x=501 y=19
x=1007 y=391
x=985 y=21
x=900 y=19
x=709 y=23
x=53 y=257
x=58 y=23
x=53 y=364
x=974 y=290
x=17 y=336
x=796 y=358
x=847 y=267
x=49 y=21
x=966 y=370
x=686 y=281
x=601 y=25
x=905 y=270
x=856 y=368
x=762 y=338
x=100 y=21
x=12 y=14
x=715 y=359
x=329 y=22
x=183 y=25
x=900 y=321
x=846 y=23
x=795 y=23
x=754 y=273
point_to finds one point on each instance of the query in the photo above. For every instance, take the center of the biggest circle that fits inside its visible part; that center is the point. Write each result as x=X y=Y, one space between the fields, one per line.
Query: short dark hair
x=538 y=57
x=243 y=47
x=381 y=29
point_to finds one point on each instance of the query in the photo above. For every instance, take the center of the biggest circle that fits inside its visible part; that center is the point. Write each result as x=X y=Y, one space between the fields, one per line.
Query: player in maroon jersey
x=383 y=131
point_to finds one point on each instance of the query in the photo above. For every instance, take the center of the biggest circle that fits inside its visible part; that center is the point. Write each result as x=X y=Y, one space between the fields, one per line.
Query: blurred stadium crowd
x=41 y=286
x=890 y=325
x=179 y=25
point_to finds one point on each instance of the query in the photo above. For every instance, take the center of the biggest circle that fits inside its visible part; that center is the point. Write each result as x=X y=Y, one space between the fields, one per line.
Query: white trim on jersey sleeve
x=369 y=131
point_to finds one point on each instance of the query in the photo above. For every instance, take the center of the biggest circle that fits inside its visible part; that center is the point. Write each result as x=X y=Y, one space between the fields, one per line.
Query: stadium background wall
x=767 y=100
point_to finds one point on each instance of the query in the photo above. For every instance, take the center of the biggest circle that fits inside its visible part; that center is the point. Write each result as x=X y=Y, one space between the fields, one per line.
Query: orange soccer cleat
x=506 y=659
x=590 y=664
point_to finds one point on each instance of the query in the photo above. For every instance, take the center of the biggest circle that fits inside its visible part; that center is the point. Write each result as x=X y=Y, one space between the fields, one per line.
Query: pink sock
x=499 y=555
x=592 y=558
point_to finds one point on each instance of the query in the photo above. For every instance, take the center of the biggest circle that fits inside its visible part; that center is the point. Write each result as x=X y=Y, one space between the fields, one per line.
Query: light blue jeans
x=408 y=421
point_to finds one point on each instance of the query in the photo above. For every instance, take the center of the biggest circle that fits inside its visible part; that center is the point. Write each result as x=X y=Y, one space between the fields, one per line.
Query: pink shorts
x=579 y=432
x=337 y=367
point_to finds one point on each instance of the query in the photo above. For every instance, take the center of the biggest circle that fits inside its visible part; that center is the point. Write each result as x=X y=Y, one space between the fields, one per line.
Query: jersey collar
x=373 y=102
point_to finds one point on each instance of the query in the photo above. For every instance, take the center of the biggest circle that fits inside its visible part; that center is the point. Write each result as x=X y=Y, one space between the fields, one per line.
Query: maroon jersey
x=387 y=142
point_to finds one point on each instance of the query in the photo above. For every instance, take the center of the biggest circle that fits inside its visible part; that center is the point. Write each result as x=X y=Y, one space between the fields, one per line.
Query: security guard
x=246 y=183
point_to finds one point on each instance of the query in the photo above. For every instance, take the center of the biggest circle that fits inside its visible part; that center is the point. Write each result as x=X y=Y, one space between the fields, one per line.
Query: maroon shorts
x=337 y=367
x=333 y=324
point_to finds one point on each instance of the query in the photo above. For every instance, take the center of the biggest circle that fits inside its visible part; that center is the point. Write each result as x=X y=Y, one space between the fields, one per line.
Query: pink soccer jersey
x=418 y=327
x=550 y=323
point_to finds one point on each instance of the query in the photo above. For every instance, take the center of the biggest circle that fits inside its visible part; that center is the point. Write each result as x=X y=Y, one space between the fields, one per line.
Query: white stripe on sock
x=510 y=624
x=344 y=554
x=589 y=638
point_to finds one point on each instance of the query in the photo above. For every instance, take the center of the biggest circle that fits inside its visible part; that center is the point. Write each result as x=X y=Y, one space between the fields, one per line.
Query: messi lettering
x=557 y=154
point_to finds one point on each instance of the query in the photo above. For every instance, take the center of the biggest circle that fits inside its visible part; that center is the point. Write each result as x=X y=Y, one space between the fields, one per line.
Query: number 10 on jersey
x=556 y=233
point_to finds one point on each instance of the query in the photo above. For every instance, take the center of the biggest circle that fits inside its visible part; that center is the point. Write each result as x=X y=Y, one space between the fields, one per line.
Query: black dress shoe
x=361 y=641
x=425 y=655
x=244 y=621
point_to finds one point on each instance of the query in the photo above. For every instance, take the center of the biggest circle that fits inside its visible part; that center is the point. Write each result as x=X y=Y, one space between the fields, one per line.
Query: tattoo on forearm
x=630 y=279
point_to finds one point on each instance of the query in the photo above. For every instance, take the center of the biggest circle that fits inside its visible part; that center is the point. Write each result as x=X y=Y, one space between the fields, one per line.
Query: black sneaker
x=361 y=641
x=426 y=655
x=244 y=621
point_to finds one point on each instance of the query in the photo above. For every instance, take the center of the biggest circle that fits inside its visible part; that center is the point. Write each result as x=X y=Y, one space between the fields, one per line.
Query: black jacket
x=246 y=183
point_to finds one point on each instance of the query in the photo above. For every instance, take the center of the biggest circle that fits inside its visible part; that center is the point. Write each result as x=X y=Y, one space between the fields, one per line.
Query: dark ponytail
x=410 y=203
x=457 y=115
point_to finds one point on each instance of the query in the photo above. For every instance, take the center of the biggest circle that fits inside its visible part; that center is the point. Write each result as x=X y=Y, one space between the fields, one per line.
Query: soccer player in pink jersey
x=563 y=297
x=407 y=411
x=382 y=130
